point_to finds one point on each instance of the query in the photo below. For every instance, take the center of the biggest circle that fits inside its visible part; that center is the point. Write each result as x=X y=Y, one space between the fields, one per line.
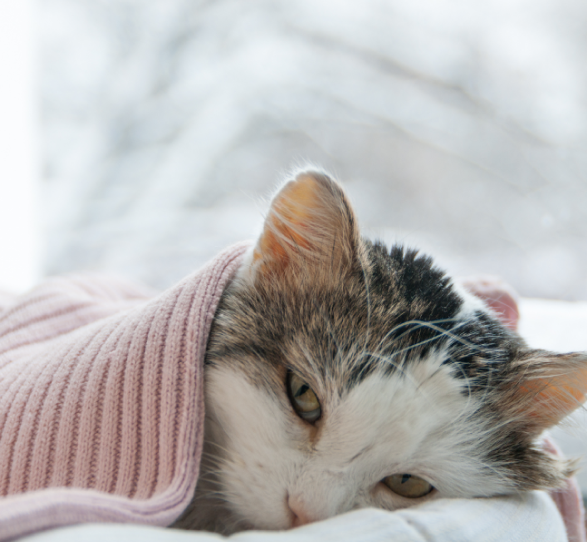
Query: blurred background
x=163 y=126
x=141 y=137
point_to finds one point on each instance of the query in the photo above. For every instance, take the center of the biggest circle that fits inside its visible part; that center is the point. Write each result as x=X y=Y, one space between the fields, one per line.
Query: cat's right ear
x=548 y=387
x=310 y=230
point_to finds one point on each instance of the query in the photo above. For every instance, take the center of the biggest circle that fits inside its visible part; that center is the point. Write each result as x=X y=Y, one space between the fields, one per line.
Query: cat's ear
x=499 y=296
x=549 y=387
x=310 y=227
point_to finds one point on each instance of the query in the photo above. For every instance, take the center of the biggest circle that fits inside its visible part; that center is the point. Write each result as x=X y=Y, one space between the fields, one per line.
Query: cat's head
x=341 y=374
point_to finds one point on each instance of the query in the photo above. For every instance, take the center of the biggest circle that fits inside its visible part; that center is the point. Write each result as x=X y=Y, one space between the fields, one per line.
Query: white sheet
x=515 y=519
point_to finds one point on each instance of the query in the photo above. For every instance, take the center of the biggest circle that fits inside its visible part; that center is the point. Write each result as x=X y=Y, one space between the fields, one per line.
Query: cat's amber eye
x=408 y=485
x=303 y=399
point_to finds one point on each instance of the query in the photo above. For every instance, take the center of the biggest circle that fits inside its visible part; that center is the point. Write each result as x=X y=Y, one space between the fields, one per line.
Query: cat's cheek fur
x=252 y=435
x=269 y=464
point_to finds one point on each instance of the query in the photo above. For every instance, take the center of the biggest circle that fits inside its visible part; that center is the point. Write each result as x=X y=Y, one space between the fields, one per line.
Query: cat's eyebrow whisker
x=461 y=341
x=415 y=326
x=443 y=333
x=418 y=324
x=416 y=345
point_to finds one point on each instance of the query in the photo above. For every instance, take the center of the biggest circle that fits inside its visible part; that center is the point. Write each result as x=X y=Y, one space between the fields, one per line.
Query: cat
x=341 y=374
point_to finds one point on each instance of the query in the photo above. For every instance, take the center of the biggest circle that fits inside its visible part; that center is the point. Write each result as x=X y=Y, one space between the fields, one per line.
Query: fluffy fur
x=413 y=375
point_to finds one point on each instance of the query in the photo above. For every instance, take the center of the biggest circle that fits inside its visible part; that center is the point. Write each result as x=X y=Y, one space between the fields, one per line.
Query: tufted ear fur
x=549 y=387
x=310 y=228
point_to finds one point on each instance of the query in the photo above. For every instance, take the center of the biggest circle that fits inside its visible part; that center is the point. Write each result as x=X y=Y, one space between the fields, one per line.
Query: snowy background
x=19 y=219
x=456 y=126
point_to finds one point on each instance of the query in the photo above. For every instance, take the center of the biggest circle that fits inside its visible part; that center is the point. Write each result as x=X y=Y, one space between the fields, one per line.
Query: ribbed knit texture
x=101 y=399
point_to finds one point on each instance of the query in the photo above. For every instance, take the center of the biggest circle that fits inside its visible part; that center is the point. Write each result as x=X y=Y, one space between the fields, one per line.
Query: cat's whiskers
x=419 y=325
x=384 y=345
x=217 y=424
x=385 y=348
x=214 y=463
x=458 y=366
x=219 y=446
x=387 y=358
x=382 y=355
x=441 y=332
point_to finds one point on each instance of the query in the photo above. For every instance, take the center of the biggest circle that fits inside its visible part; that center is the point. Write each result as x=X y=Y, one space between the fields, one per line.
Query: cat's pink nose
x=299 y=512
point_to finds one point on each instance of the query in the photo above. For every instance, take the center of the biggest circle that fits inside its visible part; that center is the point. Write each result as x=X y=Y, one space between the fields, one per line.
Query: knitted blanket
x=101 y=399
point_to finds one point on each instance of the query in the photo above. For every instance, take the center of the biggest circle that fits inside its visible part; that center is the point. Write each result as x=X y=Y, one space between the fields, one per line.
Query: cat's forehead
x=409 y=283
x=395 y=310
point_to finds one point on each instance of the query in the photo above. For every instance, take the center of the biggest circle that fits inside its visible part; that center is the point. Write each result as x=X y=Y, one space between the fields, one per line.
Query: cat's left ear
x=549 y=388
x=310 y=231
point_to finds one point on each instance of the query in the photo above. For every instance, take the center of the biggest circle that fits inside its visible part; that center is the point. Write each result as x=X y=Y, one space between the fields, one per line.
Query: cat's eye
x=302 y=398
x=408 y=485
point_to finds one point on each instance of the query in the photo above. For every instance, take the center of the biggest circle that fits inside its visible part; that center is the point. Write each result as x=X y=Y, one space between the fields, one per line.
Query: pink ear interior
x=499 y=295
x=292 y=225
x=310 y=228
x=558 y=391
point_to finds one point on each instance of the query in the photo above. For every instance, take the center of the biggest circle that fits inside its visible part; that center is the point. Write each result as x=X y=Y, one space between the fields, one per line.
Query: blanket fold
x=101 y=399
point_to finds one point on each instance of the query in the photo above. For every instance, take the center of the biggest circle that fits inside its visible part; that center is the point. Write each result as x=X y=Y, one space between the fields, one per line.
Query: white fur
x=244 y=275
x=471 y=303
x=418 y=423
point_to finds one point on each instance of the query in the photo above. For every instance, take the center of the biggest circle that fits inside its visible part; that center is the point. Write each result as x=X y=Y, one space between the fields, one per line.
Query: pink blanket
x=101 y=401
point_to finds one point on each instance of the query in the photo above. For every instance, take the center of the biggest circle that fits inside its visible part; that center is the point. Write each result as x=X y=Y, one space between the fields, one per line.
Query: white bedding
x=514 y=519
